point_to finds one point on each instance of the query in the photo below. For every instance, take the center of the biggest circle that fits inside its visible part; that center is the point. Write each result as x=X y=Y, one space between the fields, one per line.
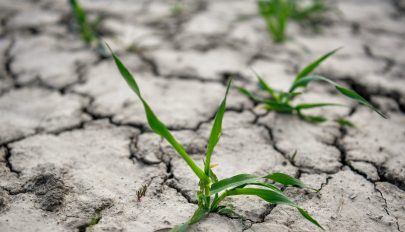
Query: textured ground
x=75 y=148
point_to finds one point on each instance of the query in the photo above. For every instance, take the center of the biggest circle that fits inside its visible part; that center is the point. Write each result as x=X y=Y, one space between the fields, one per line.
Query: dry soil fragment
x=44 y=58
x=380 y=142
x=179 y=103
x=347 y=203
x=312 y=143
x=29 y=110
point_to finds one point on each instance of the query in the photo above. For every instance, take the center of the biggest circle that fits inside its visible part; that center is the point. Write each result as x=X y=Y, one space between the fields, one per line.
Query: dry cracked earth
x=75 y=147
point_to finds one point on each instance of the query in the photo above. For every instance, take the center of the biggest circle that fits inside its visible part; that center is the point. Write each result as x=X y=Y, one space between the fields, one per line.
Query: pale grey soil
x=75 y=146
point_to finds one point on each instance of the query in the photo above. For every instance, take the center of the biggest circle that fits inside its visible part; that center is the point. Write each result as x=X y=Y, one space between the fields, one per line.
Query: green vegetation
x=88 y=30
x=277 y=13
x=281 y=101
x=211 y=190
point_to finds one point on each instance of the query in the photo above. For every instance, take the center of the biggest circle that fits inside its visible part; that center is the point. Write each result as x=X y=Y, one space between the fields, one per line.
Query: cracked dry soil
x=75 y=146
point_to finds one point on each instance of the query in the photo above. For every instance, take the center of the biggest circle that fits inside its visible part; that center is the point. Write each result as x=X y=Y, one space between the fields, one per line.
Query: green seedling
x=88 y=30
x=177 y=9
x=213 y=191
x=277 y=13
x=281 y=101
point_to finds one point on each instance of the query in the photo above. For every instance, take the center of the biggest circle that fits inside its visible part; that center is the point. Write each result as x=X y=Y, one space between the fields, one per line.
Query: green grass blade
x=277 y=106
x=287 y=180
x=266 y=87
x=314 y=105
x=271 y=196
x=216 y=131
x=303 y=82
x=313 y=118
x=307 y=216
x=267 y=185
x=345 y=122
x=232 y=182
x=308 y=69
x=157 y=126
x=249 y=94
x=81 y=18
x=355 y=96
x=198 y=215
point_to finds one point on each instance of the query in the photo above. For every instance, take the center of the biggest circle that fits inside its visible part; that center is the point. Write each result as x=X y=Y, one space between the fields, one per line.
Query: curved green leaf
x=277 y=106
x=198 y=215
x=249 y=94
x=157 y=126
x=232 y=182
x=308 y=69
x=267 y=87
x=273 y=197
x=307 y=216
x=314 y=105
x=287 y=180
x=216 y=131
x=267 y=185
x=347 y=92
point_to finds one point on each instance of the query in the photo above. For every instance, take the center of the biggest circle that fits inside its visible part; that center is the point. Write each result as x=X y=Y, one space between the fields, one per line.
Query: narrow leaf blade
x=232 y=182
x=216 y=130
x=157 y=126
x=271 y=196
x=307 y=216
x=314 y=105
x=311 y=67
x=287 y=180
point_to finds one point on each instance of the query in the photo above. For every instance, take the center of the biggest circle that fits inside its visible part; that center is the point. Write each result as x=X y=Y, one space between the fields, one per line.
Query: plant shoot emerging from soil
x=88 y=30
x=211 y=190
x=281 y=101
x=276 y=14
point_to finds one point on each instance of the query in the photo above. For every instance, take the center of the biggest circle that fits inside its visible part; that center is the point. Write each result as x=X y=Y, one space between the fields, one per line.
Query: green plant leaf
x=355 y=96
x=266 y=87
x=232 y=182
x=277 y=106
x=314 y=105
x=313 y=118
x=157 y=126
x=344 y=122
x=267 y=185
x=198 y=215
x=287 y=180
x=303 y=82
x=271 y=196
x=81 y=18
x=307 y=216
x=308 y=69
x=249 y=94
x=216 y=130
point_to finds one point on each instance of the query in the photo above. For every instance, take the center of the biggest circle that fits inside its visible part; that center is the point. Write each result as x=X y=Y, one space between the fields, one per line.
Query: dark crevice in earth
x=8 y=162
x=290 y=157
x=151 y=63
x=389 y=63
x=133 y=149
x=383 y=176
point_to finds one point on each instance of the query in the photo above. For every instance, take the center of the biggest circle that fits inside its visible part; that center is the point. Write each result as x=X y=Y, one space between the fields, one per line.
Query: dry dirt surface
x=75 y=146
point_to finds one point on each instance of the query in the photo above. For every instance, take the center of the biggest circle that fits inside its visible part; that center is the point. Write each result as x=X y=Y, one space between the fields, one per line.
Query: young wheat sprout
x=277 y=13
x=88 y=30
x=213 y=191
x=281 y=101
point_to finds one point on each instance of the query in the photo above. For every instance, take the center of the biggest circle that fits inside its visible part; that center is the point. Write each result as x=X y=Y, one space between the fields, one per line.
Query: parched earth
x=75 y=146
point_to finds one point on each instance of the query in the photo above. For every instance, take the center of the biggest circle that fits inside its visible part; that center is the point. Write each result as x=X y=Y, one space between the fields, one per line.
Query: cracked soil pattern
x=75 y=146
